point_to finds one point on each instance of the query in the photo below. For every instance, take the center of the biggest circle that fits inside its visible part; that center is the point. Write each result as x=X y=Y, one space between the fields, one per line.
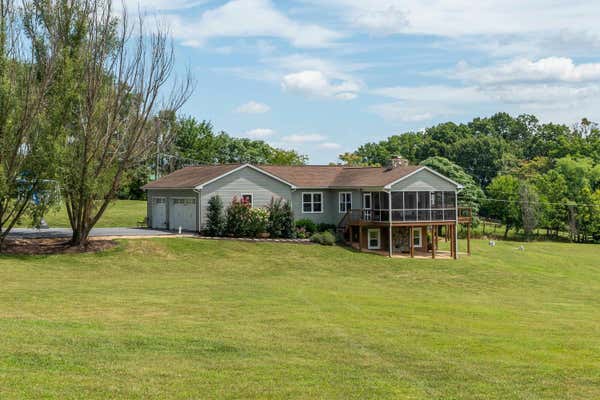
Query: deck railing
x=406 y=215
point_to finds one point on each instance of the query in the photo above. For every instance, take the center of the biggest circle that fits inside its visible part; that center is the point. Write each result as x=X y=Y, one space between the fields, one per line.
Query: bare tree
x=114 y=82
x=26 y=144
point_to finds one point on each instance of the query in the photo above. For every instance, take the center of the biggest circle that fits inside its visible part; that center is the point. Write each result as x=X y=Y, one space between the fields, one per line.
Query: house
x=398 y=209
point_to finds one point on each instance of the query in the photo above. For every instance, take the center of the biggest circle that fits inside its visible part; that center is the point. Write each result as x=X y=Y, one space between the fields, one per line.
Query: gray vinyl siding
x=331 y=207
x=424 y=180
x=169 y=194
x=246 y=180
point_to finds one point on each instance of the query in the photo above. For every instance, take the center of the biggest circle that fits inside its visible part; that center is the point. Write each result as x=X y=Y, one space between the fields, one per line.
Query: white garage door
x=183 y=214
x=159 y=212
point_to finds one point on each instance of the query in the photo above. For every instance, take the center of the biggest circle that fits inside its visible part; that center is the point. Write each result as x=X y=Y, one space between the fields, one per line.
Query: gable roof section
x=197 y=177
x=190 y=177
x=419 y=169
x=262 y=171
x=297 y=176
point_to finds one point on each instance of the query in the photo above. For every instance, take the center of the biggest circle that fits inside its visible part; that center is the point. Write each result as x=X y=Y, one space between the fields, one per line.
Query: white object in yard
x=492 y=243
x=180 y=230
x=521 y=248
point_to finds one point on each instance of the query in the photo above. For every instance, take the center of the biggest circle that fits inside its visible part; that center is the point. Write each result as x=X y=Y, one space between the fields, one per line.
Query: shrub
x=309 y=226
x=301 y=233
x=323 y=227
x=281 y=219
x=257 y=222
x=325 y=238
x=237 y=218
x=215 y=225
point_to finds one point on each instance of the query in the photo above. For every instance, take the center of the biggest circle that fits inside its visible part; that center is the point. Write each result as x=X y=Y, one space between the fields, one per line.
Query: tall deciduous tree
x=114 y=80
x=26 y=145
x=503 y=201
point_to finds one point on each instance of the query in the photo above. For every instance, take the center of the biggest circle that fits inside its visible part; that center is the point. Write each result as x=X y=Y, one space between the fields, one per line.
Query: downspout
x=456 y=225
x=390 y=220
x=198 y=209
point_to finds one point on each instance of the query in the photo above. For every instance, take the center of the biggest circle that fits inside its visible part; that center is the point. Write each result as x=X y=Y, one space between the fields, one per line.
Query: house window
x=312 y=202
x=417 y=237
x=374 y=238
x=247 y=198
x=345 y=201
x=186 y=201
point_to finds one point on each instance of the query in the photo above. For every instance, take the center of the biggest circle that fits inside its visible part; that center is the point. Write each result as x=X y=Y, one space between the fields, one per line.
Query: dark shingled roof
x=308 y=176
x=190 y=177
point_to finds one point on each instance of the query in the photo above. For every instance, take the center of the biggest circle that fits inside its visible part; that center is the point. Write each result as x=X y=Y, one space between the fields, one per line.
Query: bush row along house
x=394 y=210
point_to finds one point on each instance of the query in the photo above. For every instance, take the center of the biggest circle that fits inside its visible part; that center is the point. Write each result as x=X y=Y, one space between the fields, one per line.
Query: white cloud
x=259 y=133
x=156 y=5
x=558 y=102
x=429 y=93
x=304 y=138
x=329 y=146
x=249 y=18
x=316 y=83
x=546 y=69
x=253 y=107
x=460 y=17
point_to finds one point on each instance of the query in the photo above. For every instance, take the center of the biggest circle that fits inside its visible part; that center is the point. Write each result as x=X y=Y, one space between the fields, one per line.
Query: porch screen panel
x=437 y=200
x=424 y=203
x=449 y=206
x=410 y=206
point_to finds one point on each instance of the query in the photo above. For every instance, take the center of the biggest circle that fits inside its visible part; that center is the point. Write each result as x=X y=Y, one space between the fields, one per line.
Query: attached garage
x=180 y=199
x=159 y=212
x=183 y=214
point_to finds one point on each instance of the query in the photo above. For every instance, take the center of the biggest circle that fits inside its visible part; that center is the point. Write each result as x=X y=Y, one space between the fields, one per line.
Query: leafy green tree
x=551 y=187
x=504 y=201
x=27 y=143
x=480 y=156
x=198 y=141
x=109 y=99
x=471 y=195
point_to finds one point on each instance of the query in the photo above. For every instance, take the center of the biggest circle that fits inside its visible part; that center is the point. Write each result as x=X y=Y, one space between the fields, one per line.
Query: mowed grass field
x=121 y=213
x=190 y=318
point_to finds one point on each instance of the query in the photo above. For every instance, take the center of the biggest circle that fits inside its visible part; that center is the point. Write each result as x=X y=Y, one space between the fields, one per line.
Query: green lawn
x=121 y=213
x=190 y=318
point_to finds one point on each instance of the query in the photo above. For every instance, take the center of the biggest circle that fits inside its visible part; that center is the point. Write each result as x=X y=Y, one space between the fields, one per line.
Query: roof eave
x=389 y=185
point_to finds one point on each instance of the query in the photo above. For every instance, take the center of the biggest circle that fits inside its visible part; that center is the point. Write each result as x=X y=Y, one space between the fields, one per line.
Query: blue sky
x=323 y=77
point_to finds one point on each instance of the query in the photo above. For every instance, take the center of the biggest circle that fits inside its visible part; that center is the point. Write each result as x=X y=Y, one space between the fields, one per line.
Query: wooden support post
x=449 y=228
x=351 y=234
x=469 y=238
x=454 y=242
x=390 y=221
x=437 y=231
x=412 y=242
x=360 y=237
x=390 y=240
x=433 y=241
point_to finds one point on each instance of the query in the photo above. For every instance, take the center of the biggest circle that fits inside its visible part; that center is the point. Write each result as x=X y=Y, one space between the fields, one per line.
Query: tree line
x=526 y=174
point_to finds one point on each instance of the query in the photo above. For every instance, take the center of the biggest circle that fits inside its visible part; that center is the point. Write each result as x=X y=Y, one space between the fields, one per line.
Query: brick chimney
x=398 y=161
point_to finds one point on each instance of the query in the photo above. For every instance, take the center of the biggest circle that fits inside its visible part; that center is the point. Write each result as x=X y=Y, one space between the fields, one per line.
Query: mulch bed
x=265 y=240
x=53 y=246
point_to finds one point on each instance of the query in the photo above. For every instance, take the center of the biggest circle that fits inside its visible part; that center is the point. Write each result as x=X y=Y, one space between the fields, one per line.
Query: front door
x=367 y=206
